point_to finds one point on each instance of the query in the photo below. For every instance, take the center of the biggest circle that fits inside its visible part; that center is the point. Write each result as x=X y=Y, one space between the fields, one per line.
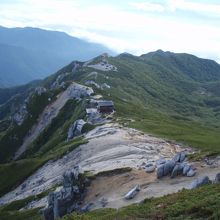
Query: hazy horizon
x=134 y=26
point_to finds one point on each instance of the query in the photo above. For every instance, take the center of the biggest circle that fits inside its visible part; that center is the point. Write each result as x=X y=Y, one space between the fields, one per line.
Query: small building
x=105 y=106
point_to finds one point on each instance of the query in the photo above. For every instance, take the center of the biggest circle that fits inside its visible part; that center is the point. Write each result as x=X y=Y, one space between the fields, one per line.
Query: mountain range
x=32 y=53
x=170 y=95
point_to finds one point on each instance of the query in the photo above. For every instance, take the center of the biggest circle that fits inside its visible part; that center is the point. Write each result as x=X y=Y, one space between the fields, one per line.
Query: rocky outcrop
x=174 y=167
x=21 y=115
x=76 y=66
x=59 y=82
x=40 y=90
x=78 y=91
x=67 y=199
x=217 y=178
x=75 y=129
x=92 y=83
x=165 y=169
x=179 y=157
x=199 y=182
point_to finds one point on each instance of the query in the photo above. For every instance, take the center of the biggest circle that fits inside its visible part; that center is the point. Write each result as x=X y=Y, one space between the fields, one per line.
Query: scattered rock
x=87 y=207
x=150 y=168
x=40 y=90
x=217 y=178
x=199 y=182
x=132 y=193
x=91 y=82
x=105 y=86
x=104 y=202
x=191 y=173
x=21 y=115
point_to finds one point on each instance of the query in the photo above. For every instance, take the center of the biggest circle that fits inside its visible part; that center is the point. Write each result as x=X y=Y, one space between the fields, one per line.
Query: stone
x=132 y=193
x=104 y=202
x=165 y=169
x=186 y=169
x=160 y=161
x=160 y=172
x=179 y=157
x=217 y=178
x=168 y=167
x=199 y=182
x=182 y=157
x=178 y=170
x=150 y=169
x=48 y=213
x=191 y=173
x=87 y=207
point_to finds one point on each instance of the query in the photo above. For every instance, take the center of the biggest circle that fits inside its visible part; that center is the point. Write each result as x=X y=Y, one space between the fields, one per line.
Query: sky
x=133 y=26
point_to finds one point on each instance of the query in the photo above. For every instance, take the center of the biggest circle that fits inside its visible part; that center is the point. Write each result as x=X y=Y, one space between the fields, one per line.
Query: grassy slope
x=197 y=204
x=12 y=174
x=161 y=95
x=164 y=97
x=49 y=145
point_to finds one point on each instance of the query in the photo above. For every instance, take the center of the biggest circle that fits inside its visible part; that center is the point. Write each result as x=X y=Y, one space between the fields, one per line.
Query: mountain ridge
x=33 y=53
x=173 y=96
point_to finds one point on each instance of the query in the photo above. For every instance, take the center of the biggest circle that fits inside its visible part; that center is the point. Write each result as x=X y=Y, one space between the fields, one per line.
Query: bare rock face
x=21 y=115
x=76 y=66
x=92 y=83
x=75 y=129
x=40 y=90
x=67 y=199
x=78 y=91
x=59 y=83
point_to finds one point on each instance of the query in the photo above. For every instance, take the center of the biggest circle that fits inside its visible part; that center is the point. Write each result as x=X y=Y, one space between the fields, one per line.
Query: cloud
x=120 y=28
x=207 y=9
x=148 y=6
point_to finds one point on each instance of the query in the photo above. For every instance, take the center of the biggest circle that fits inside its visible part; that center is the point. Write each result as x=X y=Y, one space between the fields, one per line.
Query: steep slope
x=32 y=53
x=156 y=92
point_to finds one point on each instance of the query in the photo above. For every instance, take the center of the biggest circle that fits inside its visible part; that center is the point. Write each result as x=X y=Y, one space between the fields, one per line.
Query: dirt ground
x=112 y=189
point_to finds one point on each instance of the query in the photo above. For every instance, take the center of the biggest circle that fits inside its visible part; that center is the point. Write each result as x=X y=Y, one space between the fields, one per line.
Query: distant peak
x=159 y=51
